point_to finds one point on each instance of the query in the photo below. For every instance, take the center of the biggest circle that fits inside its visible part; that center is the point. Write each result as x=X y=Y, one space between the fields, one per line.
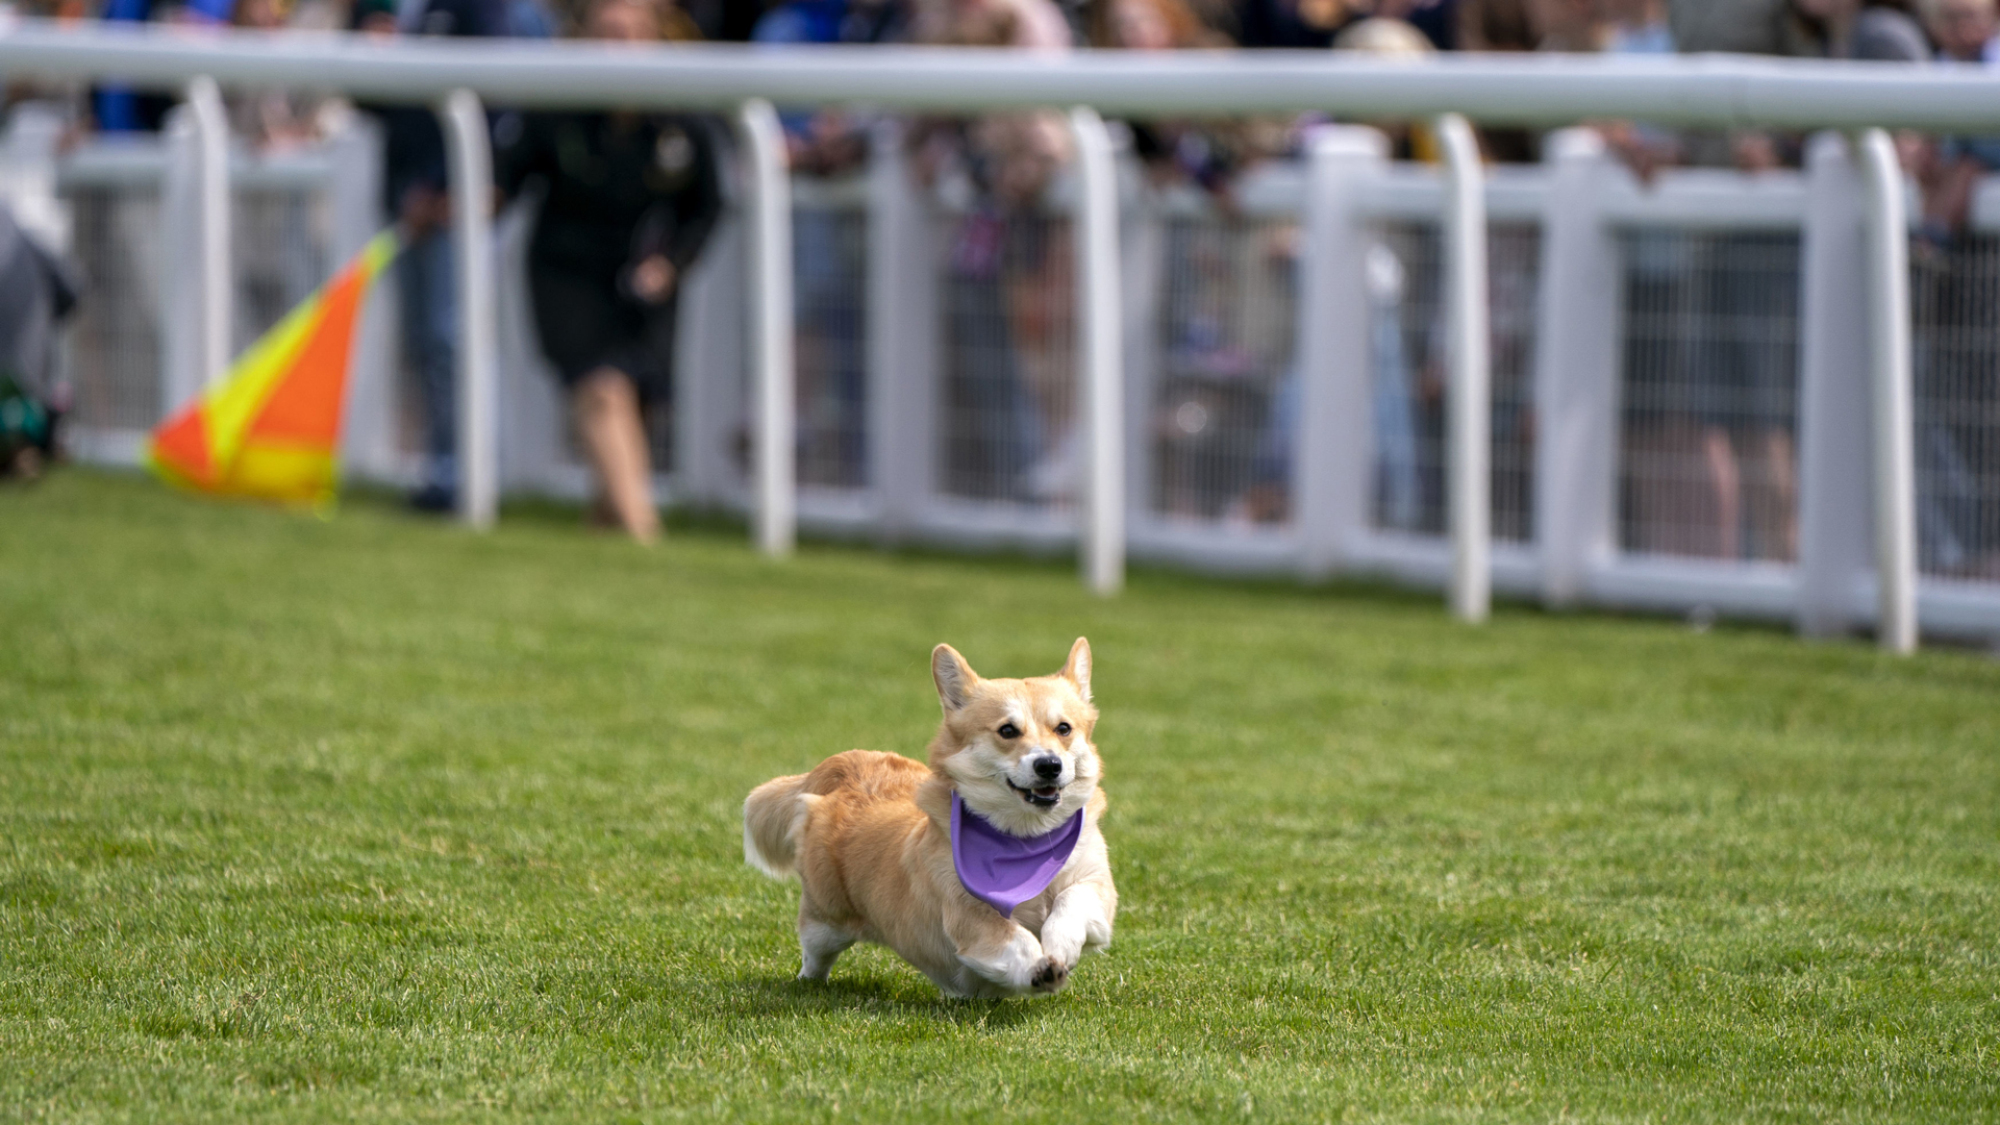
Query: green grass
x=375 y=818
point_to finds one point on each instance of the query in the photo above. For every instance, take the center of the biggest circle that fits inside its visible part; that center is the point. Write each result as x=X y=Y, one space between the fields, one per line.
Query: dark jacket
x=617 y=187
x=413 y=142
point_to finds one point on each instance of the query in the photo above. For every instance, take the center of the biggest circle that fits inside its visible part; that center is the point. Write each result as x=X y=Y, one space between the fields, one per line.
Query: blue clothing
x=427 y=289
x=802 y=21
x=427 y=295
x=529 y=19
x=117 y=108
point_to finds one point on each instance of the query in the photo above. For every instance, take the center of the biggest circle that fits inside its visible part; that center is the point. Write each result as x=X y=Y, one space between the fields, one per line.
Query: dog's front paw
x=1049 y=976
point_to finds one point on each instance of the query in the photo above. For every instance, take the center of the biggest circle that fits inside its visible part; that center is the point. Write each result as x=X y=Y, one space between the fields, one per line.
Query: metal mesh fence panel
x=1227 y=391
x=280 y=243
x=1407 y=353
x=1955 y=297
x=829 y=275
x=114 y=339
x=1708 y=460
x=1009 y=393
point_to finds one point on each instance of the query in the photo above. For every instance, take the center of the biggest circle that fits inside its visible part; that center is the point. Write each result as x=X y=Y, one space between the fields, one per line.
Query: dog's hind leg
x=819 y=945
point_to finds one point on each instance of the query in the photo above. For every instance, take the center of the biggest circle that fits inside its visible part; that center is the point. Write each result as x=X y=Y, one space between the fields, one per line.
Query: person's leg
x=614 y=437
x=430 y=332
x=1726 y=479
x=1779 y=521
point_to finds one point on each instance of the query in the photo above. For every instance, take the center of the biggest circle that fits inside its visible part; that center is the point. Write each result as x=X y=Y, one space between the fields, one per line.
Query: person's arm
x=701 y=204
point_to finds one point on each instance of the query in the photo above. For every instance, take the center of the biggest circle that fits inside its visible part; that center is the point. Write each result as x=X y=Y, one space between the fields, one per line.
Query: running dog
x=985 y=870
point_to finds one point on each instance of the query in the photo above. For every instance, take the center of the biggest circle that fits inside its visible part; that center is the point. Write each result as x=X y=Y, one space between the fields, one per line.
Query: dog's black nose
x=1048 y=766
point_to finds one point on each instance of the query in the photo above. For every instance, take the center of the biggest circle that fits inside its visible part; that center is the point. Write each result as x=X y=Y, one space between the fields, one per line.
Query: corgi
x=985 y=870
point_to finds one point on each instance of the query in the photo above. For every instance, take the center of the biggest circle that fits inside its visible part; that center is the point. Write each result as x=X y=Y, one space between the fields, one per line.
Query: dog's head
x=1018 y=751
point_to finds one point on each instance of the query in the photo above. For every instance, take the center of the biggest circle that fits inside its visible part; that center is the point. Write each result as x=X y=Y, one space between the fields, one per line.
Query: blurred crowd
x=1908 y=31
x=627 y=200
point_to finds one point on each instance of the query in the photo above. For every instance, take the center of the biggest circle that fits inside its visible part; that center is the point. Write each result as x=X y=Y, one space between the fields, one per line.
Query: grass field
x=373 y=818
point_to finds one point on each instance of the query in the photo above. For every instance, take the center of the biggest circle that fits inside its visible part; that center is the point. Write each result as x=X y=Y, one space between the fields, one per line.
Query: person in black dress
x=629 y=198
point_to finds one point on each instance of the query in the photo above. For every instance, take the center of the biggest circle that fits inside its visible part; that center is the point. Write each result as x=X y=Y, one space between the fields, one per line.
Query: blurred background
x=935 y=291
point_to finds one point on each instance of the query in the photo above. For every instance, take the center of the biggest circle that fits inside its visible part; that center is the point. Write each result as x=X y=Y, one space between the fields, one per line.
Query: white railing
x=1579 y=201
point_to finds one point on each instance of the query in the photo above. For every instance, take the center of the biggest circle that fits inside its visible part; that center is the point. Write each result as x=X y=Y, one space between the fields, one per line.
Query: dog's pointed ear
x=955 y=678
x=1077 y=670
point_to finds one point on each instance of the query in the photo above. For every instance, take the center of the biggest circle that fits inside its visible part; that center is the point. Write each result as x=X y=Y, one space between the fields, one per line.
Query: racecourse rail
x=458 y=76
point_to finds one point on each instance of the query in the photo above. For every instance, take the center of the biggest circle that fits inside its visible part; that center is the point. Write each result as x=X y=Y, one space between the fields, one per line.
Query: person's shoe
x=434 y=499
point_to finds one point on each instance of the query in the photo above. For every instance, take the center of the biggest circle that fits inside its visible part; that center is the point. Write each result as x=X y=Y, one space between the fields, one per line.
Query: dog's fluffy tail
x=774 y=820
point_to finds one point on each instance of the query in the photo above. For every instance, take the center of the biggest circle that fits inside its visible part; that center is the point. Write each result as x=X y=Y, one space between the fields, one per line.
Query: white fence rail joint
x=215 y=285
x=1100 y=356
x=770 y=309
x=1890 y=378
x=1469 y=401
x=470 y=156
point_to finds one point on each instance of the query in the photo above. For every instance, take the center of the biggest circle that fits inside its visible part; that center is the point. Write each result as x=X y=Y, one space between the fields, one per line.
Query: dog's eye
x=1063 y=729
x=1009 y=730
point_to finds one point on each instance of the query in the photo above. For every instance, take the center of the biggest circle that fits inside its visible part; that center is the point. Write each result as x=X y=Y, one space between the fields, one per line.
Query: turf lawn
x=375 y=818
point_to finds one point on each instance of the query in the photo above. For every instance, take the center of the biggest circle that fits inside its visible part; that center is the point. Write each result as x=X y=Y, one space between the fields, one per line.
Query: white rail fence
x=1203 y=389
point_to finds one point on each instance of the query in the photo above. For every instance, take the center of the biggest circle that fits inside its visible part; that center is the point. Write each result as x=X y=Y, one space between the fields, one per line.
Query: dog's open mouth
x=1042 y=797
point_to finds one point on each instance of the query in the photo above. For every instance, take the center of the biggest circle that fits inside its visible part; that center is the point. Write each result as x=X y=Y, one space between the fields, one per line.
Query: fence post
x=1888 y=235
x=470 y=152
x=1100 y=366
x=902 y=326
x=1833 y=390
x=215 y=278
x=1576 y=370
x=770 y=298
x=1469 y=398
x=1332 y=441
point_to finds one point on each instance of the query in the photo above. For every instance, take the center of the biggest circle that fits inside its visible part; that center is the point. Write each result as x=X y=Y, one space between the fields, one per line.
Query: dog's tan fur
x=869 y=836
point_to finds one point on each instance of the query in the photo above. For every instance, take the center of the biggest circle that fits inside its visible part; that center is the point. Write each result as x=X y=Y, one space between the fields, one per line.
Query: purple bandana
x=1001 y=870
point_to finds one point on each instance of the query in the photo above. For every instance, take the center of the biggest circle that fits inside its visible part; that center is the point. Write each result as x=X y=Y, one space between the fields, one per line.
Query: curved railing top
x=1715 y=90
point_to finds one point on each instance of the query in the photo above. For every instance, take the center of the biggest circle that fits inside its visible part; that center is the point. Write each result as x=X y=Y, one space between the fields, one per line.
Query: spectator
x=723 y=21
x=1743 y=27
x=273 y=118
x=1965 y=30
x=1575 y=26
x=1885 y=31
x=1031 y=25
x=117 y=108
x=834 y=21
x=1966 y=34
x=1639 y=27
x=1010 y=278
x=1210 y=155
x=37 y=292
x=1958 y=450
x=1296 y=24
x=1497 y=25
x=832 y=384
x=272 y=241
x=417 y=197
x=1313 y=24
x=1502 y=26
x=1405 y=385
x=373 y=17
x=629 y=201
x=1714 y=459
x=1150 y=25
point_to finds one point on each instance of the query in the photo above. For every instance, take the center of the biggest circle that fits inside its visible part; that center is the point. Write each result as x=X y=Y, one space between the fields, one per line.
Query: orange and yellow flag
x=271 y=430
